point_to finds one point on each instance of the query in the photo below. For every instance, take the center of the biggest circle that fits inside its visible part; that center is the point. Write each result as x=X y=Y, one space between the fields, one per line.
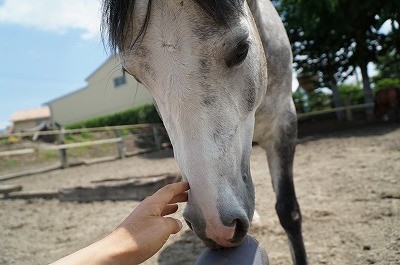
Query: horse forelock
x=117 y=16
x=222 y=10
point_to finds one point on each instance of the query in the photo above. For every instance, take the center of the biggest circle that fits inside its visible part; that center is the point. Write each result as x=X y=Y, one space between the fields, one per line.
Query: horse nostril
x=231 y=224
x=240 y=230
x=189 y=224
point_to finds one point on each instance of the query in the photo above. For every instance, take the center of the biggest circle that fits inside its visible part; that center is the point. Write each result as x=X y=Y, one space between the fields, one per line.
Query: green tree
x=352 y=94
x=388 y=65
x=315 y=47
x=386 y=83
x=333 y=37
x=362 y=21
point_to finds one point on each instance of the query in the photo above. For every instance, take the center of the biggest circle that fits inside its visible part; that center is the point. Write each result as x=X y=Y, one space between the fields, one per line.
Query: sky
x=47 y=49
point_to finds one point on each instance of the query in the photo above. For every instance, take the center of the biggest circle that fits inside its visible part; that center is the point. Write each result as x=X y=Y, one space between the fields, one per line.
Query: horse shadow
x=334 y=129
x=183 y=252
x=159 y=154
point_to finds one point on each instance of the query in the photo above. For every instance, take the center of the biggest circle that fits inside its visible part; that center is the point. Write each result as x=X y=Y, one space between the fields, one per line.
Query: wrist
x=118 y=248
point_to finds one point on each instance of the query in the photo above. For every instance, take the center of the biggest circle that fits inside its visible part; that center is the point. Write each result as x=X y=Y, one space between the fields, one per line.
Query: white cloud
x=54 y=15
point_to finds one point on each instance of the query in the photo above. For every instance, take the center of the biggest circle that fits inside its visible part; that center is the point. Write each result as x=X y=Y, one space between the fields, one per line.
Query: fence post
x=157 y=139
x=121 y=147
x=349 y=113
x=63 y=152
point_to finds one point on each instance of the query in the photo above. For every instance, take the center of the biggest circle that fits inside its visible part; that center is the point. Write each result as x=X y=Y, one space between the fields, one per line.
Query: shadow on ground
x=310 y=131
x=316 y=130
x=182 y=252
x=161 y=154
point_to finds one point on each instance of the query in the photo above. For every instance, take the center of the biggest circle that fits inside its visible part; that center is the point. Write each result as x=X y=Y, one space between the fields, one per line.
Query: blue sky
x=45 y=52
x=47 y=49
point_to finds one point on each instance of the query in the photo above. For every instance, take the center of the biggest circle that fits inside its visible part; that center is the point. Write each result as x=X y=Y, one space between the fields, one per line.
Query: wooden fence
x=348 y=109
x=154 y=130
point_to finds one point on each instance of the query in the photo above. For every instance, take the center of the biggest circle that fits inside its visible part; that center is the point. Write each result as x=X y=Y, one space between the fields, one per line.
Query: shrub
x=318 y=100
x=387 y=83
x=354 y=94
x=137 y=115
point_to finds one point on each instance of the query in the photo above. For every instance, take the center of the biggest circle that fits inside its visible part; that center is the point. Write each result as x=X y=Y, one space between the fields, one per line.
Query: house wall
x=20 y=126
x=100 y=97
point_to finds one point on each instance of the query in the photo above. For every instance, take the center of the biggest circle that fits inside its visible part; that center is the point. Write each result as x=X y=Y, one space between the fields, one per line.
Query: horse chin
x=211 y=244
x=236 y=241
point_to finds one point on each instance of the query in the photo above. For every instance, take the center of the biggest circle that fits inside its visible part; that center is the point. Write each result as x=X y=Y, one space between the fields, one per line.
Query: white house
x=109 y=89
x=25 y=120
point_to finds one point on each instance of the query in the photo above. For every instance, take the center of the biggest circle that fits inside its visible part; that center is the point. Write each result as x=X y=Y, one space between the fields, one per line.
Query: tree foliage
x=352 y=93
x=331 y=38
x=386 y=83
x=388 y=65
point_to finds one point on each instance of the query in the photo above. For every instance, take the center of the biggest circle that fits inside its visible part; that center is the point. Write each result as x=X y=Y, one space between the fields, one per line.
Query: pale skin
x=140 y=235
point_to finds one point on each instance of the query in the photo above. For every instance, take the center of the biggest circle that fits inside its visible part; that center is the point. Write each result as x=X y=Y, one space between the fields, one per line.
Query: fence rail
x=18 y=152
x=348 y=109
x=153 y=129
x=62 y=147
x=88 y=143
x=72 y=131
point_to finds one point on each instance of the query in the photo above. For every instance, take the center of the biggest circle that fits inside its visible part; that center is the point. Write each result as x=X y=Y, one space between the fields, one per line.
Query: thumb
x=174 y=225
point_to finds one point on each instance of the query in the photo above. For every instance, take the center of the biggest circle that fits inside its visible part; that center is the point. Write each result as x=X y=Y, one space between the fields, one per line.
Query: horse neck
x=253 y=5
x=275 y=41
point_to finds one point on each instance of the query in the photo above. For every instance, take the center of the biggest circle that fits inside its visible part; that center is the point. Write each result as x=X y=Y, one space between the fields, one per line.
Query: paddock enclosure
x=347 y=182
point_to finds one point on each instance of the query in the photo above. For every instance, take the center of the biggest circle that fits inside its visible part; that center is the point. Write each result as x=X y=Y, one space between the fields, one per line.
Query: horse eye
x=240 y=53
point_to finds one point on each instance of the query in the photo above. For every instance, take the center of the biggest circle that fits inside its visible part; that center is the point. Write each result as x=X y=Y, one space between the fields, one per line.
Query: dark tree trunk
x=368 y=95
x=340 y=115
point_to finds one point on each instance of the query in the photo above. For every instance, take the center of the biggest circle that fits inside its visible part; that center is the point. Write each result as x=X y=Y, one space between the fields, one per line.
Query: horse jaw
x=207 y=108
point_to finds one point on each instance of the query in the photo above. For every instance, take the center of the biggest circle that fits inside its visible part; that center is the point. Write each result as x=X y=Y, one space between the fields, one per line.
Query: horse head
x=204 y=64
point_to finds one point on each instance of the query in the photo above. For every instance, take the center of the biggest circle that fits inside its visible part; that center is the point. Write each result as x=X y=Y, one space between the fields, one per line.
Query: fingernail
x=179 y=224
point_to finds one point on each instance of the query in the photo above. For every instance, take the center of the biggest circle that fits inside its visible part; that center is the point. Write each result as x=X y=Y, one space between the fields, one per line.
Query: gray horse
x=220 y=74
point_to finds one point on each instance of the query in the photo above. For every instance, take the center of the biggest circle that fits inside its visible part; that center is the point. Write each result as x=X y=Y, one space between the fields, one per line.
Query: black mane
x=220 y=10
x=117 y=15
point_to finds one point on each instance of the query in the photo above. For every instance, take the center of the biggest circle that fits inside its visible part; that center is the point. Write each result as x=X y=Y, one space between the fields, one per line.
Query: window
x=119 y=81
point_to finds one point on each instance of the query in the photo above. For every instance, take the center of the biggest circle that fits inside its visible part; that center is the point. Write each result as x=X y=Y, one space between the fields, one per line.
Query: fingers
x=173 y=225
x=169 y=209
x=166 y=194
x=183 y=197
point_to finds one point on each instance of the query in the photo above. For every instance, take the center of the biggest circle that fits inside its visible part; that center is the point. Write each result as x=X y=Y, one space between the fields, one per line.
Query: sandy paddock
x=348 y=186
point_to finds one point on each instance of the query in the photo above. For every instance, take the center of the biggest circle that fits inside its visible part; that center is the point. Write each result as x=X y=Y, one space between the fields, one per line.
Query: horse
x=387 y=104
x=220 y=73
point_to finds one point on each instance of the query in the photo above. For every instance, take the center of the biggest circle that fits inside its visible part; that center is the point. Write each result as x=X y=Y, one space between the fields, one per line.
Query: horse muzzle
x=224 y=231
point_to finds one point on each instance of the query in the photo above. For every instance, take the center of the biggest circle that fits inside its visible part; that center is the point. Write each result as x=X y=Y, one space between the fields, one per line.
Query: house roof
x=32 y=114
x=64 y=96
x=112 y=57
x=109 y=59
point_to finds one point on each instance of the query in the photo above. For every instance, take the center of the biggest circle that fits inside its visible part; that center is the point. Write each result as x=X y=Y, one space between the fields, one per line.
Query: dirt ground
x=347 y=182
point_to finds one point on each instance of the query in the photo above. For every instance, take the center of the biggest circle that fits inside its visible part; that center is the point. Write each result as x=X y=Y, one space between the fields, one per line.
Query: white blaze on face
x=207 y=108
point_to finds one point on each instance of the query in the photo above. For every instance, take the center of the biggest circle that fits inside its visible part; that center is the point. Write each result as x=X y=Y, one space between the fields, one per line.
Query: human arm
x=140 y=235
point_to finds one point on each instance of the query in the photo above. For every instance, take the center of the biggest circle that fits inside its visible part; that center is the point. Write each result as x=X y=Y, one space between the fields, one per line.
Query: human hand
x=140 y=236
x=146 y=229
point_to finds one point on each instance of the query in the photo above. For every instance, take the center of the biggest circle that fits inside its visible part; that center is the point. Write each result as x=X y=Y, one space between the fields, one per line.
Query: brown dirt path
x=348 y=186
